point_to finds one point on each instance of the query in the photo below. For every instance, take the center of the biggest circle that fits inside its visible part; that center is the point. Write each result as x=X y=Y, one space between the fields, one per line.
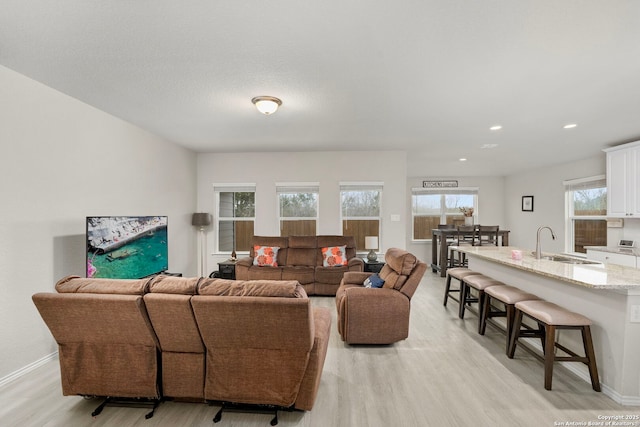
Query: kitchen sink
x=568 y=260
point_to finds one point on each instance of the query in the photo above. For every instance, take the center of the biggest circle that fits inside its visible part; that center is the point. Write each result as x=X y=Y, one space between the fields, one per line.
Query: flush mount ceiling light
x=570 y=126
x=496 y=127
x=266 y=104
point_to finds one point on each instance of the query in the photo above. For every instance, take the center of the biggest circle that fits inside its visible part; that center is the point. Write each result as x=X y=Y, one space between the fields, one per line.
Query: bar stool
x=509 y=296
x=479 y=282
x=458 y=273
x=553 y=317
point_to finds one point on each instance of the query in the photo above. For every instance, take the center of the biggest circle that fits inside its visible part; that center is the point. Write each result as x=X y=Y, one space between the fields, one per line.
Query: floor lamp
x=201 y=220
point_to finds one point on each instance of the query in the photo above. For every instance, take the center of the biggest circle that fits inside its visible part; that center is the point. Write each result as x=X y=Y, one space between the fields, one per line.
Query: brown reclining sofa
x=242 y=342
x=300 y=258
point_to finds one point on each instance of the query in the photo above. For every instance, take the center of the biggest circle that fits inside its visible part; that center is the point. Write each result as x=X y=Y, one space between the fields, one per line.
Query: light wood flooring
x=444 y=374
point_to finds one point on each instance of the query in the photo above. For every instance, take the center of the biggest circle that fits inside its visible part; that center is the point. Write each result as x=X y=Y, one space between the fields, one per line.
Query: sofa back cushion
x=169 y=308
x=273 y=241
x=399 y=265
x=77 y=284
x=106 y=344
x=328 y=241
x=252 y=288
x=257 y=347
x=302 y=251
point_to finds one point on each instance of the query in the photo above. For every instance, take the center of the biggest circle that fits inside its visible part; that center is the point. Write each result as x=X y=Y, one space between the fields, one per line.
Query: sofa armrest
x=245 y=262
x=354 y=278
x=356 y=264
x=311 y=381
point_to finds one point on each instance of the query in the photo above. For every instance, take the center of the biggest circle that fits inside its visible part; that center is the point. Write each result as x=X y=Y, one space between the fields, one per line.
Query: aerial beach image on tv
x=126 y=247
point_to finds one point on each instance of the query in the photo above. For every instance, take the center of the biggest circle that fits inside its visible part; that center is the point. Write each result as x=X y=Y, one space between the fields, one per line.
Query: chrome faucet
x=538 y=253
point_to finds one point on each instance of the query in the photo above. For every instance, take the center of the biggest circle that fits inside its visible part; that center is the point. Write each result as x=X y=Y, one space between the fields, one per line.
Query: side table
x=372 y=266
x=227 y=269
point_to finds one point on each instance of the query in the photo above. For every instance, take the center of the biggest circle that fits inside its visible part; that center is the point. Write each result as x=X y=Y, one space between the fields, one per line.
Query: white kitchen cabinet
x=623 y=180
x=612 y=258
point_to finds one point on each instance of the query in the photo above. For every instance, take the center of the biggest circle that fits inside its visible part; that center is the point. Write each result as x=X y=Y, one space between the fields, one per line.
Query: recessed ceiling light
x=570 y=126
x=488 y=145
x=462 y=159
x=496 y=127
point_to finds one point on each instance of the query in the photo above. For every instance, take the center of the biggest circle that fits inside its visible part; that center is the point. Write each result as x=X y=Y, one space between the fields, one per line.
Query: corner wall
x=60 y=161
x=548 y=204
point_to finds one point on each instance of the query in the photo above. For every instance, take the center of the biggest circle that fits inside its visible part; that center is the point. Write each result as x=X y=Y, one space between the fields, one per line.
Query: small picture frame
x=527 y=203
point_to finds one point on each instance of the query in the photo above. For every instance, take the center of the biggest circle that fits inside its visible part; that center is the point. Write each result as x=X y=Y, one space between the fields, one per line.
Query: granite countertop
x=595 y=275
x=615 y=250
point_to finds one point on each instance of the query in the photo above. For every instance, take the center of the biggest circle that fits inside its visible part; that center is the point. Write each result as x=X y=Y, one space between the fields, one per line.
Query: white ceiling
x=428 y=77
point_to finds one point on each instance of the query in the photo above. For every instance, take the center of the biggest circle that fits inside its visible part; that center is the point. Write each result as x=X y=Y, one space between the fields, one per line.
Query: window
x=235 y=216
x=298 y=208
x=586 y=211
x=360 y=207
x=431 y=207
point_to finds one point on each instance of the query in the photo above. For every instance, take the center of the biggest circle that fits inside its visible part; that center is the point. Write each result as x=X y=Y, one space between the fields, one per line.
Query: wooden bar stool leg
x=464 y=291
x=517 y=322
x=510 y=309
x=591 y=356
x=549 y=356
x=486 y=309
x=446 y=290
x=482 y=305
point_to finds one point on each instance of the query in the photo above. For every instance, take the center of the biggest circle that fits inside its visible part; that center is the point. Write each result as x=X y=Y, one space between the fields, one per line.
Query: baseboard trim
x=26 y=369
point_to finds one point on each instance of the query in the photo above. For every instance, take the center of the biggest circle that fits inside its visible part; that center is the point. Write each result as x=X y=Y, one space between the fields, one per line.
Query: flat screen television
x=126 y=247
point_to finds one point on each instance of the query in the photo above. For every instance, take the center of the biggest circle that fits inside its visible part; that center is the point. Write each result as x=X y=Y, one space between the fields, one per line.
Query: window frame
x=218 y=218
x=591 y=182
x=297 y=188
x=363 y=186
x=443 y=192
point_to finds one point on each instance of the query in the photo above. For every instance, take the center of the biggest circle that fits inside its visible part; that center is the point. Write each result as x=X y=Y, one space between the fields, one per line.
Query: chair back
x=402 y=271
x=467 y=235
x=488 y=235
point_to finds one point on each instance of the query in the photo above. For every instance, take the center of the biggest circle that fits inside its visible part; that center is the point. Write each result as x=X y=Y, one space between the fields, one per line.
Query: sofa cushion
x=327 y=240
x=252 y=288
x=303 y=274
x=302 y=251
x=402 y=262
x=77 y=284
x=174 y=285
x=265 y=256
x=332 y=275
x=373 y=281
x=334 y=256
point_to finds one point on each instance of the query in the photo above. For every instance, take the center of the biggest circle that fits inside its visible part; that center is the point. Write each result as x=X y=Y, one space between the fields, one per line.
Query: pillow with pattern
x=373 y=281
x=334 y=256
x=265 y=256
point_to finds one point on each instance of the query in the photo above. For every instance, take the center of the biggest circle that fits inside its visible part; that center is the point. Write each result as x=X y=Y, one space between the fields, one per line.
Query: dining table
x=440 y=242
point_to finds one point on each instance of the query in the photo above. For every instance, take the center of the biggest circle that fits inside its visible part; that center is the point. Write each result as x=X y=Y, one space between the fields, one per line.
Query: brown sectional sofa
x=300 y=258
x=247 y=342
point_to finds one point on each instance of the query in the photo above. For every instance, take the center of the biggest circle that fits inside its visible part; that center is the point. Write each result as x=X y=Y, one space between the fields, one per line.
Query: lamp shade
x=201 y=219
x=371 y=242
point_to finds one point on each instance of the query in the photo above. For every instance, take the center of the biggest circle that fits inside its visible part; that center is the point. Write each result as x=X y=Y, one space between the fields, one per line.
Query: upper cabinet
x=623 y=180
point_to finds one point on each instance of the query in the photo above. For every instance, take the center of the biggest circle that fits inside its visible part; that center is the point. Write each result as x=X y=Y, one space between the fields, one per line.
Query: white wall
x=546 y=185
x=60 y=161
x=490 y=205
x=327 y=168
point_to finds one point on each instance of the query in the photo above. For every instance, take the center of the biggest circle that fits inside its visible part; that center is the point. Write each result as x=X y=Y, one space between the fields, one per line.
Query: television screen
x=126 y=247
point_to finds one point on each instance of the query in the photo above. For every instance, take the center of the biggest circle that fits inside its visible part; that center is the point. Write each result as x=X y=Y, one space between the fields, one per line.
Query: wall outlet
x=395 y=217
x=635 y=314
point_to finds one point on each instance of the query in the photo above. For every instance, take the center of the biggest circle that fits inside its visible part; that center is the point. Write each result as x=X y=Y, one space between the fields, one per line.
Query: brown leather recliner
x=379 y=316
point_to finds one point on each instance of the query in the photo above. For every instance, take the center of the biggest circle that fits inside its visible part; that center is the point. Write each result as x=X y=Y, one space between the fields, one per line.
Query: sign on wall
x=439 y=184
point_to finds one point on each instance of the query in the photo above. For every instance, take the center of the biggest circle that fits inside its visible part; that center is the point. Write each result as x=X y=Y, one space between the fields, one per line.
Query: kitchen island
x=607 y=294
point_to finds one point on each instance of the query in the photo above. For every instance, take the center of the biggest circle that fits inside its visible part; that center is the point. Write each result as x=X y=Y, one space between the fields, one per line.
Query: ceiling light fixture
x=570 y=126
x=266 y=104
x=496 y=127
x=462 y=159
x=486 y=146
